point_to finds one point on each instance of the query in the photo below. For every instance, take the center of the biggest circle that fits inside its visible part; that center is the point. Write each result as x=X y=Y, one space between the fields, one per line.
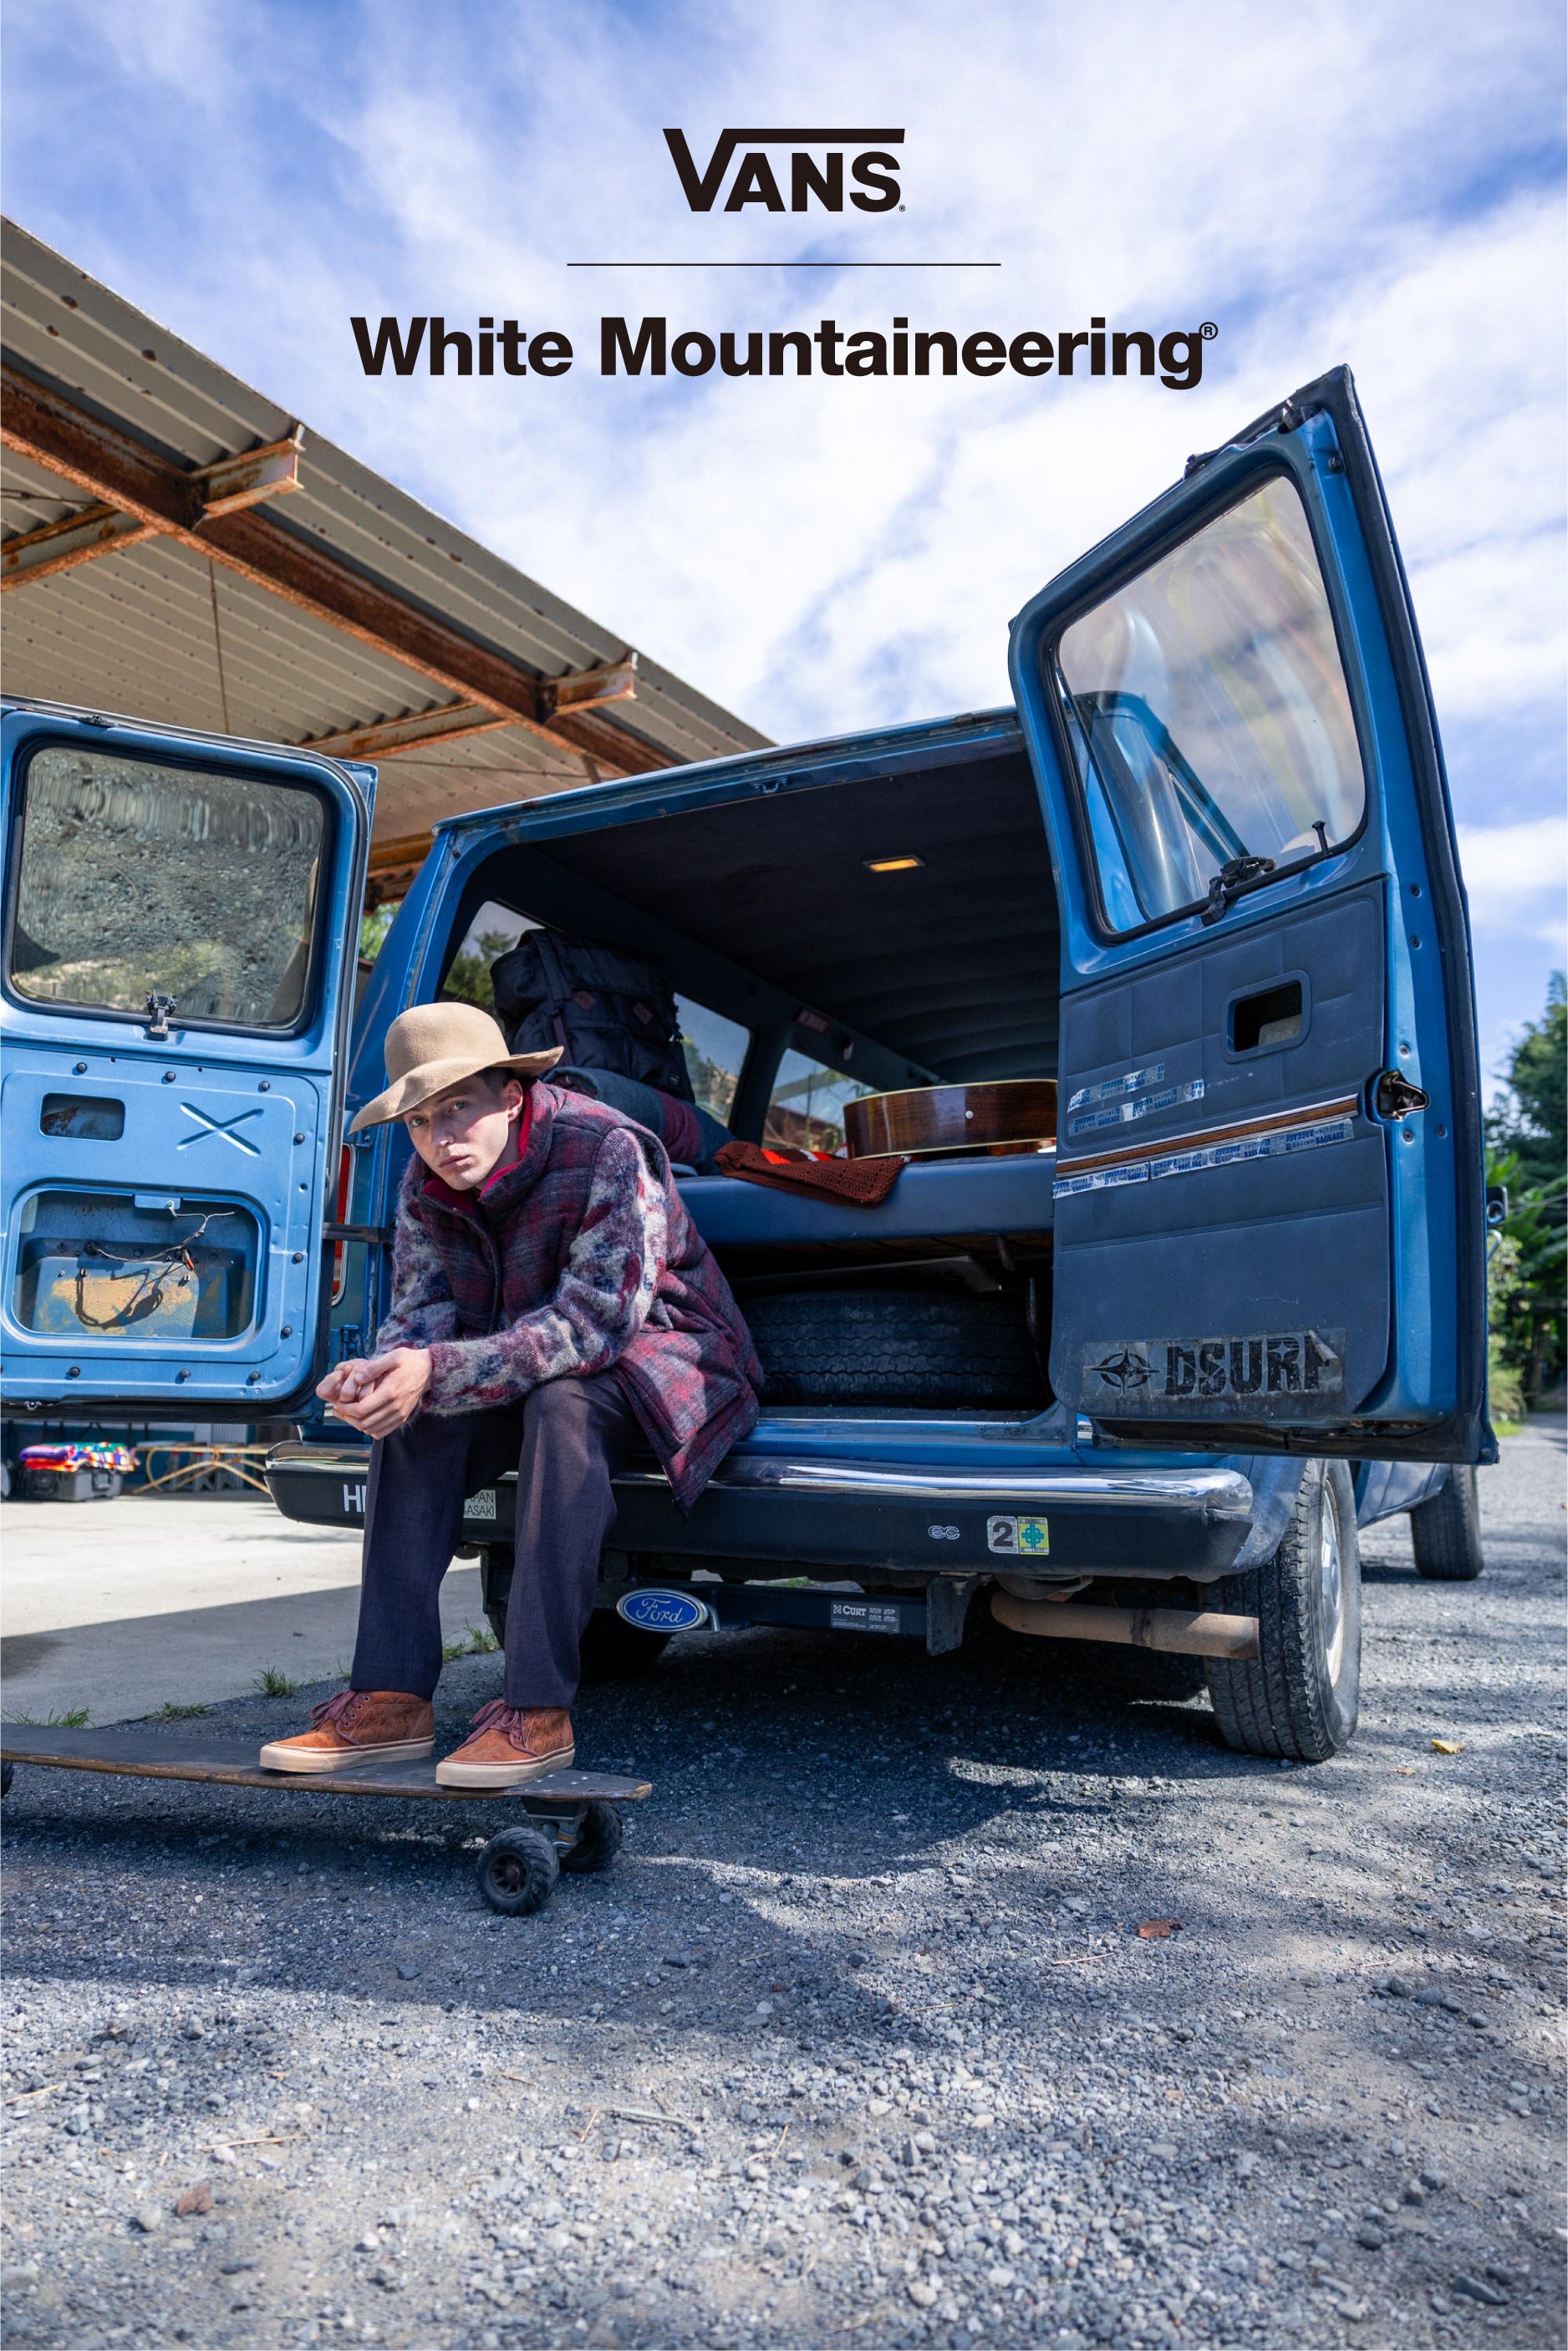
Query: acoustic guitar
x=1002 y=1116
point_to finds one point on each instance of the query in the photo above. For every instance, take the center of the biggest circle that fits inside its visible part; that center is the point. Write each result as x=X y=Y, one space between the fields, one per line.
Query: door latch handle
x=1234 y=875
x=1394 y=1097
x=159 y=1007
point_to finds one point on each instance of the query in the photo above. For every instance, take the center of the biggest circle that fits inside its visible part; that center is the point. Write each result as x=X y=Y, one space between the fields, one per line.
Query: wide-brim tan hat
x=432 y=1046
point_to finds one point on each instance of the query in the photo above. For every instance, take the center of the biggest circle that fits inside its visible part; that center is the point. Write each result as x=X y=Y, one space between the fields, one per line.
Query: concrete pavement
x=125 y=1607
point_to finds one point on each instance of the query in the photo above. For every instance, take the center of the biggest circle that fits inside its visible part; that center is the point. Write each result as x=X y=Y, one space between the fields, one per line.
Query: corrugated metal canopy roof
x=302 y=600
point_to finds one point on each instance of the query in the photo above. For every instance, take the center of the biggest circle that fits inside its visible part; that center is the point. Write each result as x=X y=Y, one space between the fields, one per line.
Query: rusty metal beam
x=383 y=739
x=584 y=689
x=61 y=545
x=114 y=470
x=129 y=505
x=409 y=849
x=104 y=463
x=231 y=483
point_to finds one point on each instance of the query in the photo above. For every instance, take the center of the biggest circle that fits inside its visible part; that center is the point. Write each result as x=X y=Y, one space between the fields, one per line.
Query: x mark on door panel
x=225 y=1127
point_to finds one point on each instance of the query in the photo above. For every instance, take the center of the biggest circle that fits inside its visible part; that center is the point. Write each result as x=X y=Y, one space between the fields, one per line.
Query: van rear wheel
x=1447 y=1531
x=1300 y=1696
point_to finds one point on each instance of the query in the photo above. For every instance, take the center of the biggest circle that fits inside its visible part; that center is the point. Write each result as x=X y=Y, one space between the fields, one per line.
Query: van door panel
x=1245 y=1236
x=167 y=1174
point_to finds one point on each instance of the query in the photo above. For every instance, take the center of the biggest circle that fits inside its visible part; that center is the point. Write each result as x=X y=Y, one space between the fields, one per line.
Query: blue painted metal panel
x=1379 y=1233
x=233 y=1125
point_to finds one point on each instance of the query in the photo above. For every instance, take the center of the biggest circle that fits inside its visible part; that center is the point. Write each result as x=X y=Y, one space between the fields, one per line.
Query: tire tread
x=1446 y=1532
x=1277 y=1704
x=895 y=1346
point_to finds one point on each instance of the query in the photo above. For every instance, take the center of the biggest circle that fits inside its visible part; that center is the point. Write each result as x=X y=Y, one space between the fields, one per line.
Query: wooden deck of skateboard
x=147 y=1754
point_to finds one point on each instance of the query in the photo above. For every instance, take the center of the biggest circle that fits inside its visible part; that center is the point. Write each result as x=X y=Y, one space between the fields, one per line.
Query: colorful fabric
x=78 y=1457
x=576 y=1256
x=859 y=1183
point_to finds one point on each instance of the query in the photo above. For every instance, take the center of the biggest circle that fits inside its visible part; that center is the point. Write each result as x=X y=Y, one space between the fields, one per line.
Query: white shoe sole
x=284 y=1758
x=453 y=1774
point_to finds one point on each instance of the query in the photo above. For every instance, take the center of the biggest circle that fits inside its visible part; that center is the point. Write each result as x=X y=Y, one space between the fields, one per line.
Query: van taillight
x=340 y=1248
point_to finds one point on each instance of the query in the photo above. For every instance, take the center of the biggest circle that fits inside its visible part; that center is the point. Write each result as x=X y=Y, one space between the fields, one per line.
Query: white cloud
x=1516 y=876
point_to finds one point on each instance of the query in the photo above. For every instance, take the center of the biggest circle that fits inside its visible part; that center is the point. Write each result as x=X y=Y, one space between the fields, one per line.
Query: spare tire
x=949 y=1347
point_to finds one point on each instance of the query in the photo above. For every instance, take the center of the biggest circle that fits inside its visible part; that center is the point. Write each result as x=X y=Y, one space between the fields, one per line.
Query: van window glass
x=1209 y=712
x=137 y=879
x=807 y=1111
x=493 y=931
x=715 y=1049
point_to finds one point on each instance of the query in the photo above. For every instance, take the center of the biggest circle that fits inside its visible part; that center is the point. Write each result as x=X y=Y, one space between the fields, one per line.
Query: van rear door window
x=1210 y=716
x=136 y=880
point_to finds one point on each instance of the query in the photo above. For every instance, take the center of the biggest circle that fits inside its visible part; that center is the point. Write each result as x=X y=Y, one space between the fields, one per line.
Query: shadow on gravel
x=783 y=1765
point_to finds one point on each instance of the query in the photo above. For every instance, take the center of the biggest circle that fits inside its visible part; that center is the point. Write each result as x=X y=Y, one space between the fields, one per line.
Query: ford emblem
x=662 y=1612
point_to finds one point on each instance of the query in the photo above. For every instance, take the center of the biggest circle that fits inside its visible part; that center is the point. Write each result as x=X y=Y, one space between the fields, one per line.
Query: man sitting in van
x=553 y=1305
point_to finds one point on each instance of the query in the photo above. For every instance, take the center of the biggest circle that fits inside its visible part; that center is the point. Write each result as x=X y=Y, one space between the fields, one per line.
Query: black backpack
x=611 y=1010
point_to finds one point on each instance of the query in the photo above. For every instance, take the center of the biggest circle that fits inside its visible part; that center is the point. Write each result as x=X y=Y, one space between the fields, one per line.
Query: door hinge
x=1394 y=1097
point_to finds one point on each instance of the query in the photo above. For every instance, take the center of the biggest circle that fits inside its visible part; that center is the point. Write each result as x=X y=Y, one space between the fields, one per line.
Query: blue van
x=1202 y=874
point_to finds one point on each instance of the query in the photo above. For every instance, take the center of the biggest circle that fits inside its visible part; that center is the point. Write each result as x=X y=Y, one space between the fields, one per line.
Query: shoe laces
x=500 y=1716
x=334 y=1710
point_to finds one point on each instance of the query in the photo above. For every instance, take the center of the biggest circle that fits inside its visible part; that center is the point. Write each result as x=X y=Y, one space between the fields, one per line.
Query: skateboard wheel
x=517 y=1872
x=598 y=1840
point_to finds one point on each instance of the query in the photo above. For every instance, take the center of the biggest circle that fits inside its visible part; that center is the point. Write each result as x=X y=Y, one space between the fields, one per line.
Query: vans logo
x=1259 y=1369
x=757 y=174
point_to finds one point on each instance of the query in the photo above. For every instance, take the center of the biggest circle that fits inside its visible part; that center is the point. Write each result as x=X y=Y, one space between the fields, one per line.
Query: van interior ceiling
x=903 y=929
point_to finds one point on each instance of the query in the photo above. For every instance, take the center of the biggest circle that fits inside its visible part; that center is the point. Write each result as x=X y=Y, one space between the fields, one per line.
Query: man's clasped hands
x=378 y=1393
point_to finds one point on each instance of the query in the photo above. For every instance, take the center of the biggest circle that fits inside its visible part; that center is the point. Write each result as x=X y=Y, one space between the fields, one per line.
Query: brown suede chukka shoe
x=357 y=1727
x=510 y=1744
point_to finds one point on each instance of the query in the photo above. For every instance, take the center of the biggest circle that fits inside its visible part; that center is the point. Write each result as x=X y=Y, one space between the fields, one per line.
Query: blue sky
x=1382 y=185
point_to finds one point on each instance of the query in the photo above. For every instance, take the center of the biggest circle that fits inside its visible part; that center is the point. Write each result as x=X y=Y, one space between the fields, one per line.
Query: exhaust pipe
x=1183 y=1632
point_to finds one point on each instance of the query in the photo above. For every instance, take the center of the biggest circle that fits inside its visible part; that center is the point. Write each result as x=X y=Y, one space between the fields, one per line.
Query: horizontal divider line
x=1199 y=1138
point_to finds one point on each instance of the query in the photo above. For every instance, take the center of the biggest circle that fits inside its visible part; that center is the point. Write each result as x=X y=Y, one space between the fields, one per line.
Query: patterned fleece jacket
x=577 y=1258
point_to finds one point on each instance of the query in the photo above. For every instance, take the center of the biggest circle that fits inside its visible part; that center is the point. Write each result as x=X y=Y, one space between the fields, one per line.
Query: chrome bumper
x=856 y=1519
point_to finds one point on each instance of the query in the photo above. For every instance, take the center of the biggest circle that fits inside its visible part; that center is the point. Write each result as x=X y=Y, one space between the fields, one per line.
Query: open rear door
x=181 y=927
x=1269 y=1211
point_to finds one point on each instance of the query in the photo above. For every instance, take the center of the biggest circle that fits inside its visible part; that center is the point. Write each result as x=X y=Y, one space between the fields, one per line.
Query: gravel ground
x=276 y=2076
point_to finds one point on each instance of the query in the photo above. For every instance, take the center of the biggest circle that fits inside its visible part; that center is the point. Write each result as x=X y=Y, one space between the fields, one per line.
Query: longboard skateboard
x=571 y=1817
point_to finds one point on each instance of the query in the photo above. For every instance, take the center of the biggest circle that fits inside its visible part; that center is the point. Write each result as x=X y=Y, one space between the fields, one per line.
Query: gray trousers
x=566 y=1441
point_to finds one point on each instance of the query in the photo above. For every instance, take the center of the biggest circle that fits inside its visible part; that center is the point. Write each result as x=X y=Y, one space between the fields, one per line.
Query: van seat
x=931 y=1198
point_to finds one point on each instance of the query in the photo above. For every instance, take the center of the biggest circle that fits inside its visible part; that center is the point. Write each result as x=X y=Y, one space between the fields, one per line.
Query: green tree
x=469 y=974
x=374 y=926
x=1527 y=1136
x=1533 y=1124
